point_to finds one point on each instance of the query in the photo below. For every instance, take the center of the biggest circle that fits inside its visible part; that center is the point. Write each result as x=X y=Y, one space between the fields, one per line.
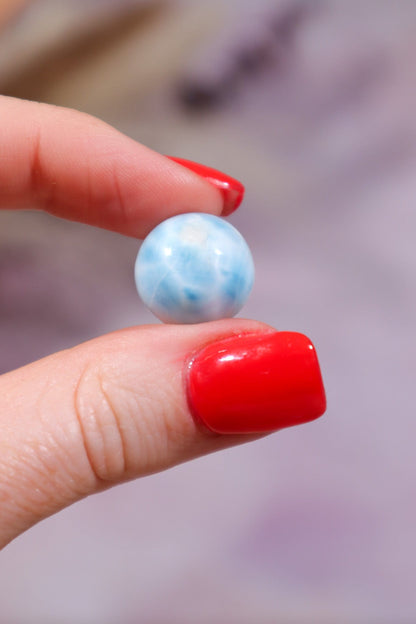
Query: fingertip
x=231 y=190
x=79 y=168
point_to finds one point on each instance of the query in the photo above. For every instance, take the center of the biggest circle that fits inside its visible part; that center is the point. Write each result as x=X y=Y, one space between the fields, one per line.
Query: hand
x=142 y=399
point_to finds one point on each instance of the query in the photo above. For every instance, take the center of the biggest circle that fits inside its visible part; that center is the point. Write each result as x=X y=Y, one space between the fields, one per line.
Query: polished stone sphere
x=194 y=268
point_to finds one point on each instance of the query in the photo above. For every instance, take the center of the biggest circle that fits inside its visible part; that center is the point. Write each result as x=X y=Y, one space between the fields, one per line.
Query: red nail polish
x=256 y=383
x=232 y=190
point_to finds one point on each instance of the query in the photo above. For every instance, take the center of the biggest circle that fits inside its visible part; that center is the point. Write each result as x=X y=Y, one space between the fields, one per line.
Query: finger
x=139 y=401
x=79 y=168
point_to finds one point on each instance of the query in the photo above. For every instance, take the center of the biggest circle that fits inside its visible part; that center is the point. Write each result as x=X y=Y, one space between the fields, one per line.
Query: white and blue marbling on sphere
x=194 y=268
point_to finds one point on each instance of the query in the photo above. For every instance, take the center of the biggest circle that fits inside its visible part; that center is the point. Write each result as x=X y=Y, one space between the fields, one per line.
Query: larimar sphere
x=194 y=268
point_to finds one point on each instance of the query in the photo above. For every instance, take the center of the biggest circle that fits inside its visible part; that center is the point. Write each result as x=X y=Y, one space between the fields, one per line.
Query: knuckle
x=127 y=425
x=40 y=183
x=100 y=426
x=131 y=423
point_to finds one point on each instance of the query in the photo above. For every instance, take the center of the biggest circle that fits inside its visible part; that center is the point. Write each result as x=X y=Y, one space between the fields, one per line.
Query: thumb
x=141 y=400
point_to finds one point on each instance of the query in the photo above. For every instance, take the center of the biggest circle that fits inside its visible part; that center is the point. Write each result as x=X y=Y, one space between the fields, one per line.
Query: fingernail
x=232 y=190
x=256 y=383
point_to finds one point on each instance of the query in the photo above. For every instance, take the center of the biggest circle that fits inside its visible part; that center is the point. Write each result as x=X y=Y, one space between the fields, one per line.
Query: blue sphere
x=194 y=268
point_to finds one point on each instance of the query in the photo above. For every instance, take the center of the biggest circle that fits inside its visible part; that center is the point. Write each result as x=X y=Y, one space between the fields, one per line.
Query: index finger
x=79 y=168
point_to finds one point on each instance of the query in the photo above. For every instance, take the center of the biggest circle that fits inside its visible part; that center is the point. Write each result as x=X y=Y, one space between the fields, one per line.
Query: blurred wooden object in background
x=95 y=56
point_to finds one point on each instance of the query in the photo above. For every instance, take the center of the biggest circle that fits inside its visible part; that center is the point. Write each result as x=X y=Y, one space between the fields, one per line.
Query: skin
x=114 y=408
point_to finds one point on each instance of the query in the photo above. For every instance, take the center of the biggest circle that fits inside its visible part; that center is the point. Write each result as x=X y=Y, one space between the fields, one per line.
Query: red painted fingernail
x=256 y=383
x=232 y=190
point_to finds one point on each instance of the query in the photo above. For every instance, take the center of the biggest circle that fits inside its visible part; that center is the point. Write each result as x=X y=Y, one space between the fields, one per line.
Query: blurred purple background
x=312 y=105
